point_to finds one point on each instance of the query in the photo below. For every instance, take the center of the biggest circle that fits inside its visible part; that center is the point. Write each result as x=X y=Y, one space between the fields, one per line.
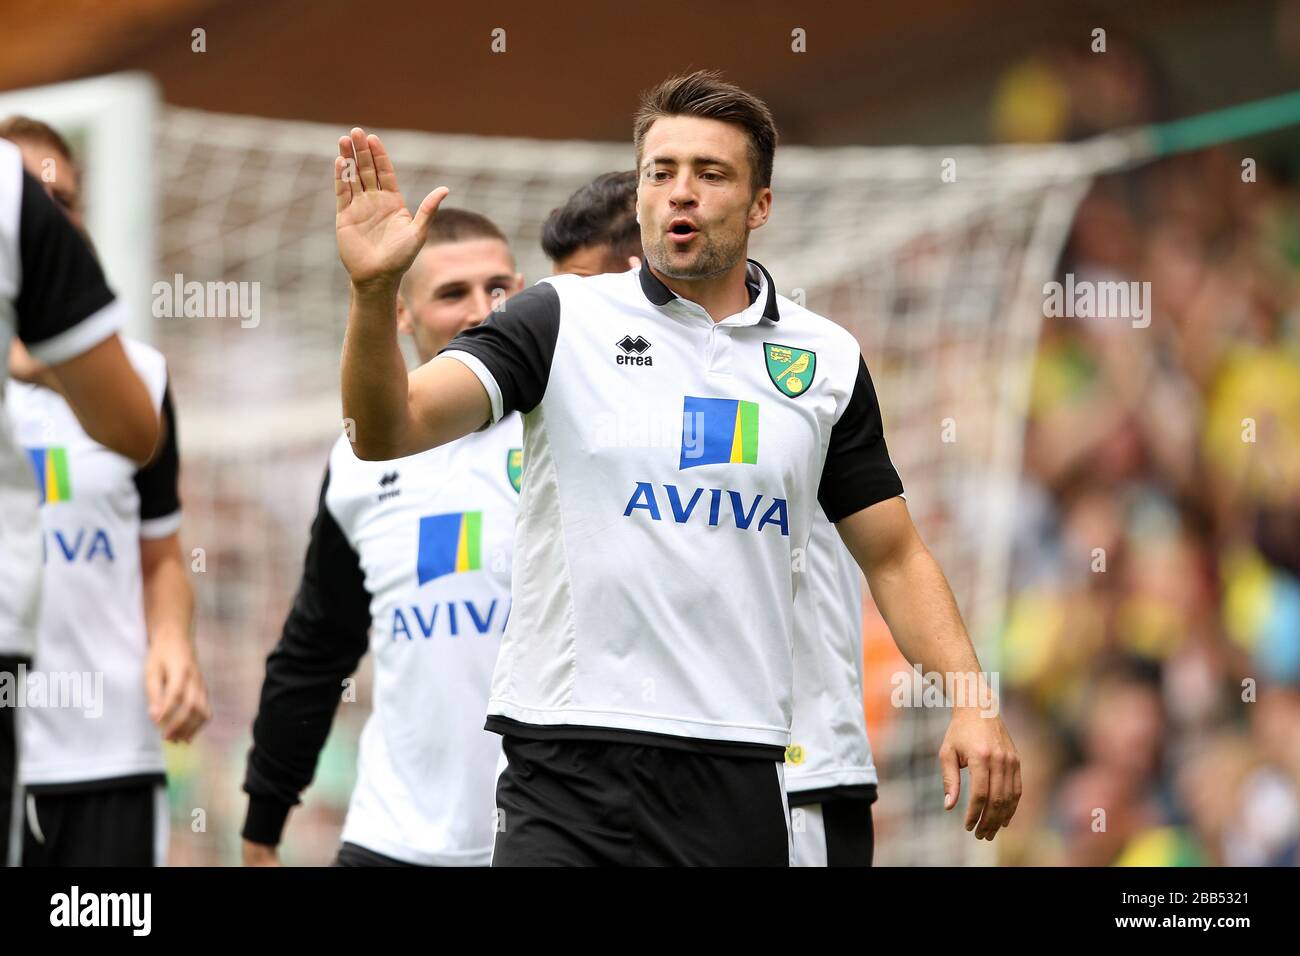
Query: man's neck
x=722 y=295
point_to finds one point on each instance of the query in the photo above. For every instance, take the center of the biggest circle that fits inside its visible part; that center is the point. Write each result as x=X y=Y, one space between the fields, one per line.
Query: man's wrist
x=381 y=290
x=161 y=637
x=264 y=820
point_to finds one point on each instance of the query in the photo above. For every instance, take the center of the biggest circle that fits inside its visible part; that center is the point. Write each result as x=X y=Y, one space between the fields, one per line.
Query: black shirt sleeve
x=323 y=641
x=858 y=472
x=516 y=344
x=158 y=482
x=61 y=282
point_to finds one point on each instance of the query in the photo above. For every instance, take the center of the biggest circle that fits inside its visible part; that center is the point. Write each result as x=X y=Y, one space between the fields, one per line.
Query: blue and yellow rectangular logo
x=718 y=430
x=449 y=544
x=51 y=468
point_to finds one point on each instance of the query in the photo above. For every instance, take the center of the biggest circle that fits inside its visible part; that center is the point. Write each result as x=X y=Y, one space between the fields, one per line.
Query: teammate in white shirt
x=643 y=686
x=410 y=558
x=116 y=607
x=53 y=298
x=425 y=798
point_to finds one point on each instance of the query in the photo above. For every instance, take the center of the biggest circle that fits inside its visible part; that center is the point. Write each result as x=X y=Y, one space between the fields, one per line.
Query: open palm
x=378 y=236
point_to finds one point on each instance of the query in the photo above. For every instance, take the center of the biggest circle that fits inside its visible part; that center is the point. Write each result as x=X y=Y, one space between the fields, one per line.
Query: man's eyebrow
x=693 y=161
x=455 y=284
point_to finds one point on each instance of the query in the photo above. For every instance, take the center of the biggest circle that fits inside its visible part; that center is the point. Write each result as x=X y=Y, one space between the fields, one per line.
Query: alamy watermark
x=1086 y=299
x=208 y=300
x=54 y=690
x=976 y=689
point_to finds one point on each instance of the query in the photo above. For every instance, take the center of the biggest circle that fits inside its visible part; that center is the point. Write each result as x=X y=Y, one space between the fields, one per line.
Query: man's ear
x=404 y=323
x=519 y=281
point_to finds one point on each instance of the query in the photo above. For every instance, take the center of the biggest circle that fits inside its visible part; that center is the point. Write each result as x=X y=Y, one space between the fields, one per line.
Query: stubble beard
x=712 y=258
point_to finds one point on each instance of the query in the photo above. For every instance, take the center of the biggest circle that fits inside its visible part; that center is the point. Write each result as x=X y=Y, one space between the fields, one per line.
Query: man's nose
x=481 y=306
x=683 y=191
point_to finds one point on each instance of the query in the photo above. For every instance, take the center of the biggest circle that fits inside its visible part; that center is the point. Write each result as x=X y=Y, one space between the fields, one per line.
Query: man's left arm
x=860 y=491
x=913 y=596
x=177 y=693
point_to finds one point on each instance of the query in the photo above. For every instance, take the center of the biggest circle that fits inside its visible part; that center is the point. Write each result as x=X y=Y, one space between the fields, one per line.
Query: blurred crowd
x=1151 y=647
x=1150 y=653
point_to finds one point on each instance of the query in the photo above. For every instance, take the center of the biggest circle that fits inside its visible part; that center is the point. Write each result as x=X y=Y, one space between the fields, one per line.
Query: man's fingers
x=342 y=191
x=979 y=789
x=424 y=215
x=194 y=715
x=365 y=160
x=951 y=776
x=173 y=700
x=383 y=164
x=1013 y=789
x=995 y=811
x=346 y=174
x=153 y=687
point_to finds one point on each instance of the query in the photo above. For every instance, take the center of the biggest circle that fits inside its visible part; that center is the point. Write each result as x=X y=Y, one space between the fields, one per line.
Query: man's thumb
x=424 y=215
x=153 y=685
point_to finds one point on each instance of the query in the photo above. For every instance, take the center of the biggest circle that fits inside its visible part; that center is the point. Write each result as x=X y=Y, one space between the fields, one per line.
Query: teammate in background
x=53 y=298
x=830 y=775
x=116 y=603
x=411 y=558
x=595 y=231
x=829 y=772
x=590 y=230
x=643 y=711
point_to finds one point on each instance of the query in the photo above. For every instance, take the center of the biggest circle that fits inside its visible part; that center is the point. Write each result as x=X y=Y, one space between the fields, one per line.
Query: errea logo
x=632 y=351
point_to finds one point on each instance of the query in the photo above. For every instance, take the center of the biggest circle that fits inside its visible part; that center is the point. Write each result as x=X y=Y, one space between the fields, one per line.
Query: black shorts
x=598 y=803
x=350 y=854
x=835 y=832
x=11 y=797
x=107 y=823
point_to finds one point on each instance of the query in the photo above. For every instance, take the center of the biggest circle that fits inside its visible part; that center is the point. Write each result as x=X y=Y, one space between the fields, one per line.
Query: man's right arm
x=499 y=366
x=393 y=414
x=390 y=414
x=68 y=319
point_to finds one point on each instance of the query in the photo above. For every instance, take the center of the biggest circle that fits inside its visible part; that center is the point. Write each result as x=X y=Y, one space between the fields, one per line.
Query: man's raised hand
x=378 y=237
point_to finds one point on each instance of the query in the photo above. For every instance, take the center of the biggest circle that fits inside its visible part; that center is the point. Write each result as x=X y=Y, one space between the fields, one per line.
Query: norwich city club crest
x=790 y=369
x=794 y=755
x=515 y=466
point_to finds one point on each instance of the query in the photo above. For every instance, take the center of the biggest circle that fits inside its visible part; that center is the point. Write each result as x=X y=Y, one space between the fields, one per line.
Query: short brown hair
x=461 y=225
x=458 y=225
x=706 y=94
x=28 y=130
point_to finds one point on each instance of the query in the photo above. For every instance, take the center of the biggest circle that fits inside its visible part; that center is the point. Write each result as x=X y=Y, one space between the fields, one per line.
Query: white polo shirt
x=829 y=754
x=96 y=506
x=674 y=465
x=412 y=559
x=54 y=299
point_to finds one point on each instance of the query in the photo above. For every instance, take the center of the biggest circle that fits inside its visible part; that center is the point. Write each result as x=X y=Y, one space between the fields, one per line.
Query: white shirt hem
x=796 y=782
x=620 y=720
x=400 y=849
x=61 y=773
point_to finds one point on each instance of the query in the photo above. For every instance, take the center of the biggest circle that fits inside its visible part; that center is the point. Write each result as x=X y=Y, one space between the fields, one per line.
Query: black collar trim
x=661 y=295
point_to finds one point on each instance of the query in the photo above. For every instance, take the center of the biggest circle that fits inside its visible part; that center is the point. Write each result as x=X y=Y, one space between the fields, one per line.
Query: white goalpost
x=110 y=121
